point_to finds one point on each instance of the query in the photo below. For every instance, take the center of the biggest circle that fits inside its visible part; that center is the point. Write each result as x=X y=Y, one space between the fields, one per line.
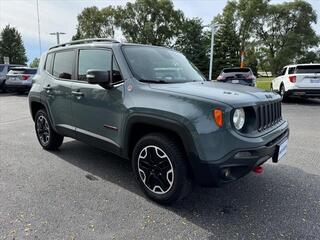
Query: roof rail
x=88 y=40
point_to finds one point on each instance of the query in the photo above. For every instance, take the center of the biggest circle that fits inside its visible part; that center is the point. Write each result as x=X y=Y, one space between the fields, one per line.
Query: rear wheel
x=47 y=137
x=158 y=165
x=283 y=92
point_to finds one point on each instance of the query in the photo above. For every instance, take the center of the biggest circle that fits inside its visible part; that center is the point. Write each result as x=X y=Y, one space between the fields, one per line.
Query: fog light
x=226 y=173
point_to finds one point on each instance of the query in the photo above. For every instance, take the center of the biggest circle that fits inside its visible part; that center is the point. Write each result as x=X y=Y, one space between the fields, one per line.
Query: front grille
x=268 y=115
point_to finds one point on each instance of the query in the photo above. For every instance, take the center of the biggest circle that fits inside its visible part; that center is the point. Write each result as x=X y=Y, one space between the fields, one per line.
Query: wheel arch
x=138 y=125
x=35 y=105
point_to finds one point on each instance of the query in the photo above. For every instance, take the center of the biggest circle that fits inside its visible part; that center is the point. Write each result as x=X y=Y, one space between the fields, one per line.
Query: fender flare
x=159 y=121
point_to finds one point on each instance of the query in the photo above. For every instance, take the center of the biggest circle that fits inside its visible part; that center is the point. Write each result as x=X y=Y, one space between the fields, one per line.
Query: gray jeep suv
x=152 y=106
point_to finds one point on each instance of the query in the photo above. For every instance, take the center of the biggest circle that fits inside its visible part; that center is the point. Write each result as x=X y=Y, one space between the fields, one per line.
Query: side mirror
x=99 y=77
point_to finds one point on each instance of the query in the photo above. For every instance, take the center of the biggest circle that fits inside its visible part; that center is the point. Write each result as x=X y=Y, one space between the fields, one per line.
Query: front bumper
x=303 y=92
x=239 y=163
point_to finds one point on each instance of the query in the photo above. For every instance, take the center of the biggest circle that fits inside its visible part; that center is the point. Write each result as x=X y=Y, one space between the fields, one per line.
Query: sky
x=61 y=15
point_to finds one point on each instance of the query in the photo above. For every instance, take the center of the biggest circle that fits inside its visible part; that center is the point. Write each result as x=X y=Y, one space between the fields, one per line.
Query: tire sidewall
x=44 y=114
x=177 y=164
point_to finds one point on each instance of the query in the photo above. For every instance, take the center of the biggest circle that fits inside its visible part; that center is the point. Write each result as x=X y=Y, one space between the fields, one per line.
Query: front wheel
x=47 y=137
x=159 y=166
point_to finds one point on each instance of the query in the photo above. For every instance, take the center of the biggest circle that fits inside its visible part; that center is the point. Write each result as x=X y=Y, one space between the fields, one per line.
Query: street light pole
x=214 y=27
x=211 y=51
x=58 y=35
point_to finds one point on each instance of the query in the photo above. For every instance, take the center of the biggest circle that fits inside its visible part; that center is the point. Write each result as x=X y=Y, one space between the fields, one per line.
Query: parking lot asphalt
x=80 y=192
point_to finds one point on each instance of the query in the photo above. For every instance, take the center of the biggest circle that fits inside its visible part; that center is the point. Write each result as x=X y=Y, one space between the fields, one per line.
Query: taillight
x=25 y=77
x=293 y=79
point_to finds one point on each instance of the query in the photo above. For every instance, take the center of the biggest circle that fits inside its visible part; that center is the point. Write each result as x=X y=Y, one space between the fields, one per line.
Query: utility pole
x=58 y=35
x=214 y=27
x=39 y=33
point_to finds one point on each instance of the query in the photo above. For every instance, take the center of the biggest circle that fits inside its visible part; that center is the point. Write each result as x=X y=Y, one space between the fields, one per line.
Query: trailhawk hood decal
x=232 y=94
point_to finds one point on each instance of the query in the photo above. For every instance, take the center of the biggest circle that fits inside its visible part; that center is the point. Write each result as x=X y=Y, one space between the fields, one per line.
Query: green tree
x=194 y=43
x=285 y=33
x=149 y=21
x=227 y=41
x=247 y=13
x=12 y=46
x=95 y=23
x=35 y=63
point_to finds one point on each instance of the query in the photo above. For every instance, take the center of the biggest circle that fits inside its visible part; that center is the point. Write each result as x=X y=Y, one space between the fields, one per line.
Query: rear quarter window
x=291 y=70
x=48 y=64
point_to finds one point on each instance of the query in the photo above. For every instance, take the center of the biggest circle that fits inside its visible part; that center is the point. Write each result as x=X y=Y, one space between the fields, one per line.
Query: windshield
x=160 y=65
x=308 y=69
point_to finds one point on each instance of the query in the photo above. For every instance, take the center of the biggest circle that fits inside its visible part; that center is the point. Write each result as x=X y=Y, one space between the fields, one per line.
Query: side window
x=116 y=74
x=63 y=64
x=94 y=59
x=291 y=70
x=48 y=65
x=283 y=72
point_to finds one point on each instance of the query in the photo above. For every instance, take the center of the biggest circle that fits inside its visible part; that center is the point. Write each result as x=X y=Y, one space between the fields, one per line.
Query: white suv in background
x=298 y=80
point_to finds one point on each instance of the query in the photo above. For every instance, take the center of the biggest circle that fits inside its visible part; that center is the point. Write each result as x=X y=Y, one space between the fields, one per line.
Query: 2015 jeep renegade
x=151 y=105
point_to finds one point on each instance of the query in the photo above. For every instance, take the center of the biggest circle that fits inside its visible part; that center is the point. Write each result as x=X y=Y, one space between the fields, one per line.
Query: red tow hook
x=258 y=169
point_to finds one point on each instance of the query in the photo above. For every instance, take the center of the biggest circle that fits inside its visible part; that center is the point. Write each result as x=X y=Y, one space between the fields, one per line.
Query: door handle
x=48 y=88
x=77 y=93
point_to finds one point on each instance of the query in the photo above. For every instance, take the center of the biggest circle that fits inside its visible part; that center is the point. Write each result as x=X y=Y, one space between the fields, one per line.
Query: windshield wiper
x=153 y=81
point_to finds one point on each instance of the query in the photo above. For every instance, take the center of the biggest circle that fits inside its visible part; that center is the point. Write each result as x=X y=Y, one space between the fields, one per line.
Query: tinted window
x=231 y=70
x=116 y=74
x=63 y=64
x=31 y=71
x=308 y=69
x=98 y=59
x=1 y=68
x=48 y=63
x=23 y=71
x=291 y=70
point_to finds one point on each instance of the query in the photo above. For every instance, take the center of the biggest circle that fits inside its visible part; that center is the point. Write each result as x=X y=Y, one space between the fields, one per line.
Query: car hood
x=234 y=95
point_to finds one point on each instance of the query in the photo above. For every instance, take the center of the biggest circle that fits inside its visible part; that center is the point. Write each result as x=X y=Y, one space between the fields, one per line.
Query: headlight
x=239 y=118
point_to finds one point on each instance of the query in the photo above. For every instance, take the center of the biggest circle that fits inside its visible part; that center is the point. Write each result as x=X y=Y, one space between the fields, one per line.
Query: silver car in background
x=19 y=79
x=4 y=69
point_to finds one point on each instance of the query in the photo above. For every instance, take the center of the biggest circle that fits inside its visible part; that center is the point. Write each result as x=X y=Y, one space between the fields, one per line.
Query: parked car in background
x=301 y=80
x=19 y=79
x=242 y=76
x=4 y=69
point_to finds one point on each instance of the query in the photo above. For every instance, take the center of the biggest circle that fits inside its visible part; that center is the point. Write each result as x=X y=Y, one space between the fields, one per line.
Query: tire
x=157 y=148
x=47 y=137
x=283 y=93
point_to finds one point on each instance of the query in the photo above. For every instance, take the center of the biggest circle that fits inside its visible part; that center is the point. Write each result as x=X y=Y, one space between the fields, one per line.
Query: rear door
x=57 y=87
x=98 y=111
x=308 y=76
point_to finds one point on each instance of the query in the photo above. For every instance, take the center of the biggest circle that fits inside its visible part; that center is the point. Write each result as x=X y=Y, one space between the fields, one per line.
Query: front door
x=97 y=111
